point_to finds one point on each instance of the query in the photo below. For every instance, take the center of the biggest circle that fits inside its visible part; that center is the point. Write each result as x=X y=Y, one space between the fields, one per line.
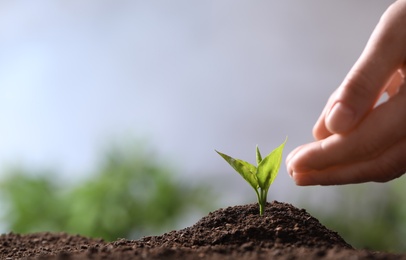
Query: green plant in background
x=376 y=213
x=29 y=199
x=131 y=194
x=260 y=177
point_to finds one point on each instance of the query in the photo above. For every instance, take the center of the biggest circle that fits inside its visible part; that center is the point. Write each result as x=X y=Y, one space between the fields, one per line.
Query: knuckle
x=359 y=85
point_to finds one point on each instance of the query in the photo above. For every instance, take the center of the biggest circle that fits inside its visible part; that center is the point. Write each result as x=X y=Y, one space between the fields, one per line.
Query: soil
x=282 y=232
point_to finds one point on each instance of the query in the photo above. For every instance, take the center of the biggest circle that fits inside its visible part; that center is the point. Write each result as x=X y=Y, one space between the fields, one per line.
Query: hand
x=357 y=141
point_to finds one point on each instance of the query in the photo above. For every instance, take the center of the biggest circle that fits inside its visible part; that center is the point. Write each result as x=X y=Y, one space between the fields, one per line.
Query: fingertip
x=320 y=131
x=303 y=179
x=340 y=119
x=289 y=168
x=292 y=154
x=288 y=161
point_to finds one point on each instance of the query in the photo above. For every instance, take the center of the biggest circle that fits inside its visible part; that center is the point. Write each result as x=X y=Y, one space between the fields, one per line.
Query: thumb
x=384 y=53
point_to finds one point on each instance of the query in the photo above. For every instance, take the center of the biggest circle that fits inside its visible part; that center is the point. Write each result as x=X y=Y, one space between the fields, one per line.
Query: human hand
x=357 y=141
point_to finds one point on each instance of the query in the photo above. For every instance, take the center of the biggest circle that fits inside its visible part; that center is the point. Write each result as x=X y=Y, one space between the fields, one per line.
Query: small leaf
x=245 y=169
x=259 y=157
x=269 y=166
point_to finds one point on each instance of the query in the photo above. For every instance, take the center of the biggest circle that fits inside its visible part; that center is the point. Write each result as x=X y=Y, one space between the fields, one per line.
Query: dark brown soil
x=283 y=232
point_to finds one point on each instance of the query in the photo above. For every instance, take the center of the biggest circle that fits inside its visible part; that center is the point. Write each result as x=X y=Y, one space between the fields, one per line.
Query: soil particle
x=282 y=232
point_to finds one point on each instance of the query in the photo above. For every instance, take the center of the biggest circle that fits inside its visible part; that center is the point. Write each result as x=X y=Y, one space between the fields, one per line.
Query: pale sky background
x=190 y=76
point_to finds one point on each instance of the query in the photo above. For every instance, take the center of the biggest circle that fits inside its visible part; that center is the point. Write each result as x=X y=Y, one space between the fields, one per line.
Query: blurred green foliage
x=130 y=195
x=370 y=215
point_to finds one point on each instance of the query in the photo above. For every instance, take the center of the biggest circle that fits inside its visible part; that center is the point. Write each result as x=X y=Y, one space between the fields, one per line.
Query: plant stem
x=261 y=209
x=262 y=200
x=259 y=196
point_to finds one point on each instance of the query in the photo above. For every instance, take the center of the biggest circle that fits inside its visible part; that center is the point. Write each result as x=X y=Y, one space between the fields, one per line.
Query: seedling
x=260 y=177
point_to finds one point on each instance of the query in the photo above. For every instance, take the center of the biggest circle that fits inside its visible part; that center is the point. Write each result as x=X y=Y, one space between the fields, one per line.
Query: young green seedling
x=260 y=177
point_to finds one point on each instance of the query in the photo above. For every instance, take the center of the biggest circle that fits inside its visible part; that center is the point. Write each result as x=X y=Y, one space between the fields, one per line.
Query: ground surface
x=283 y=232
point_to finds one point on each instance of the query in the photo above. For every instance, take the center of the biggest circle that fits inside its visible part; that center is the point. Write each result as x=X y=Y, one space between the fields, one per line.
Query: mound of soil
x=282 y=232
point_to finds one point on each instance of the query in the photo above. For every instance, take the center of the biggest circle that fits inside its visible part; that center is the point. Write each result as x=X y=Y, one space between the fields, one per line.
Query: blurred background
x=110 y=112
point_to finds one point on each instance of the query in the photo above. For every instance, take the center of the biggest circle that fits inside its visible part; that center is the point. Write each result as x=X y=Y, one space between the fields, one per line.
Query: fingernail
x=340 y=118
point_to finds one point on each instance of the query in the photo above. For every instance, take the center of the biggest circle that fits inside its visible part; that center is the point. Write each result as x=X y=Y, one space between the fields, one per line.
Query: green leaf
x=245 y=169
x=269 y=166
x=259 y=157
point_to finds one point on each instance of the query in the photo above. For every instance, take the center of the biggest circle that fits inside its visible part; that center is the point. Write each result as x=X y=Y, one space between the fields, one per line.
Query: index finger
x=383 y=127
x=384 y=53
